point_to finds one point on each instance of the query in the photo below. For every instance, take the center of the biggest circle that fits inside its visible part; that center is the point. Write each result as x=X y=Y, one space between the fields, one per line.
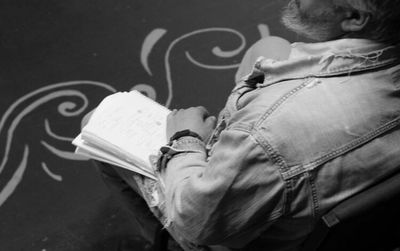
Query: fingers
x=195 y=119
x=203 y=111
x=200 y=110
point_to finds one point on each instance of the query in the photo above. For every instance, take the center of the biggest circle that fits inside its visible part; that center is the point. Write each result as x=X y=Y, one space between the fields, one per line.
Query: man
x=296 y=137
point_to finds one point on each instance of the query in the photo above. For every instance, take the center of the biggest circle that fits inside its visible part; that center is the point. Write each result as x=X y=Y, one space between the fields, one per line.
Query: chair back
x=369 y=220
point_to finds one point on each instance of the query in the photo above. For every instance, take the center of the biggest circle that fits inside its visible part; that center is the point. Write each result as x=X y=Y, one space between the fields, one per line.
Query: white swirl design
x=216 y=51
x=67 y=109
x=42 y=96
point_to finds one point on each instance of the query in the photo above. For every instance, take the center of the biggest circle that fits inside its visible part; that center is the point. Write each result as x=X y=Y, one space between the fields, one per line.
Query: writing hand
x=196 y=119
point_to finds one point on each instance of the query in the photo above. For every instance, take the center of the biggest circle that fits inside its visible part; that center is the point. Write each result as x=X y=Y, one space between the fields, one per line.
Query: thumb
x=211 y=121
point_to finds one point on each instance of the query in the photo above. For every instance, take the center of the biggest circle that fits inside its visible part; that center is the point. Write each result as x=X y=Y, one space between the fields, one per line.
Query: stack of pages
x=125 y=130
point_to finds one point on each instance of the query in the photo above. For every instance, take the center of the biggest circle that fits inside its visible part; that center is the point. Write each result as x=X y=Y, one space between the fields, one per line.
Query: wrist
x=184 y=133
x=185 y=141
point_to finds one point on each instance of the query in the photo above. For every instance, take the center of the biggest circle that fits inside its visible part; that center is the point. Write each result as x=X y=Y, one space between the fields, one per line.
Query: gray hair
x=384 y=18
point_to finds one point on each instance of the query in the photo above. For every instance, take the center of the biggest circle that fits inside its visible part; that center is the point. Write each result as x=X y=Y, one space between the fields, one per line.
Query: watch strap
x=184 y=133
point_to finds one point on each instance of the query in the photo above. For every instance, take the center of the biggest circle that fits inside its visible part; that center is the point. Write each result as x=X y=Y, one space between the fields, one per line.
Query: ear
x=355 y=21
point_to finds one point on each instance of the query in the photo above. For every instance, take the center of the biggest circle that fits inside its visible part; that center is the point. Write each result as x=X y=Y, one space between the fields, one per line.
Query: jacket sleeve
x=228 y=198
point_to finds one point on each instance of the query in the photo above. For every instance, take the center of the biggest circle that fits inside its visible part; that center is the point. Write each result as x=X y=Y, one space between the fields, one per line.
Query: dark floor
x=58 y=59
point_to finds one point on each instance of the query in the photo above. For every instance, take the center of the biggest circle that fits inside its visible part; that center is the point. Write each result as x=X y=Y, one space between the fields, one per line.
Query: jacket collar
x=327 y=59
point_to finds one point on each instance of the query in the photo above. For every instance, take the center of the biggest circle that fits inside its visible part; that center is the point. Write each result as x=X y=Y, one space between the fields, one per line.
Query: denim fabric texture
x=296 y=138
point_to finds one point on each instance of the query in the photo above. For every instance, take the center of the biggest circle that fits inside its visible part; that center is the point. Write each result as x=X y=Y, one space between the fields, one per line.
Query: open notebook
x=125 y=130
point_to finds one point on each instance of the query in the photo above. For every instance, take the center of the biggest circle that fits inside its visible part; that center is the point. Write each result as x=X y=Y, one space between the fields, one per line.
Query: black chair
x=367 y=221
x=161 y=240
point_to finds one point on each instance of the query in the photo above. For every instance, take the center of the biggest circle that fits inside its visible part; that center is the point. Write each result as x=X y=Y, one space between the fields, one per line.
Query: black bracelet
x=168 y=153
x=184 y=133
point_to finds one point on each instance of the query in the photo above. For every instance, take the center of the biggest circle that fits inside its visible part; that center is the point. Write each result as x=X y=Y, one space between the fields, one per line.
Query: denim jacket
x=296 y=138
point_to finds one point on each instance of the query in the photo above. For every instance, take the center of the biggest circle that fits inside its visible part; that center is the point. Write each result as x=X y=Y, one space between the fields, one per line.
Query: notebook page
x=130 y=123
x=83 y=149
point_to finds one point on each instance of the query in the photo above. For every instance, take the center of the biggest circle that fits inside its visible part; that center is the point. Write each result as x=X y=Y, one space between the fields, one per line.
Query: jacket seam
x=249 y=129
x=269 y=149
x=267 y=146
x=282 y=100
x=275 y=157
x=336 y=73
x=343 y=149
x=345 y=71
x=314 y=194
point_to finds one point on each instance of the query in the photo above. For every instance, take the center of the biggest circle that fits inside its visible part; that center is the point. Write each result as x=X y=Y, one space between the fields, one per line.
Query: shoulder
x=269 y=47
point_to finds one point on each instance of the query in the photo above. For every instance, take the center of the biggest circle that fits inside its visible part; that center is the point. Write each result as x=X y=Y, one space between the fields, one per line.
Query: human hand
x=196 y=119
